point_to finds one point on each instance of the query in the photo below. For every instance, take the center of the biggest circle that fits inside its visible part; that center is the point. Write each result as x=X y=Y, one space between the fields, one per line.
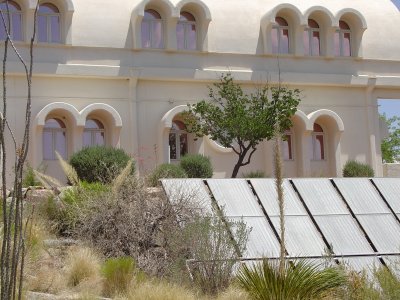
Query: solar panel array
x=355 y=220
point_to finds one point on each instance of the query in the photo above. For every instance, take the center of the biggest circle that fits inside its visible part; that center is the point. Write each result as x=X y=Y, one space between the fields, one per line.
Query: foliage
x=118 y=274
x=166 y=171
x=301 y=280
x=197 y=166
x=254 y=174
x=99 y=163
x=354 y=168
x=29 y=177
x=214 y=246
x=390 y=146
x=241 y=121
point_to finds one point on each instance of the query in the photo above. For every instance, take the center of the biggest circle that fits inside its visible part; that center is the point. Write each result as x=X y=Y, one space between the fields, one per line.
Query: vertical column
x=306 y=162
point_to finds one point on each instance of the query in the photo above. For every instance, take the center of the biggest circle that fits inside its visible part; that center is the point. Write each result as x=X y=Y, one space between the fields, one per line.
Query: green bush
x=29 y=177
x=99 y=163
x=166 y=171
x=197 y=166
x=118 y=274
x=354 y=168
x=254 y=174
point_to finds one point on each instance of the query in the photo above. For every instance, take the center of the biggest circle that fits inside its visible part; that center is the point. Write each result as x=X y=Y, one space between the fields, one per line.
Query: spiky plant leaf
x=120 y=179
x=68 y=170
x=47 y=181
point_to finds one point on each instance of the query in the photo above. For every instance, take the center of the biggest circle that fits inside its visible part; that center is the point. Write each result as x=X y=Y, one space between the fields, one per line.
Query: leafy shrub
x=197 y=166
x=354 y=168
x=302 y=280
x=118 y=274
x=166 y=171
x=99 y=163
x=254 y=174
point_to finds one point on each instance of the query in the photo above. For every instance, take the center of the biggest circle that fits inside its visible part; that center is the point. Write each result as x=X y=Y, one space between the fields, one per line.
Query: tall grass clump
x=165 y=171
x=197 y=166
x=99 y=163
x=301 y=280
x=82 y=265
x=254 y=174
x=118 y=274
x=354 y=168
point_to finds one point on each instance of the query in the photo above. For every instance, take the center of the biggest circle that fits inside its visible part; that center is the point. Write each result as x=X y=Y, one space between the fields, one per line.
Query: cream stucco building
x=120 y=72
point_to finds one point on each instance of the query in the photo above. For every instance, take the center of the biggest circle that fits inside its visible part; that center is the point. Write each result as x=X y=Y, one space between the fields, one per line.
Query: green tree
x=390 y=146
x=241 y=121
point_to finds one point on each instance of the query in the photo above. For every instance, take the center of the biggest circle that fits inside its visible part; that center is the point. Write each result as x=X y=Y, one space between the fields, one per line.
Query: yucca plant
x=300 y=280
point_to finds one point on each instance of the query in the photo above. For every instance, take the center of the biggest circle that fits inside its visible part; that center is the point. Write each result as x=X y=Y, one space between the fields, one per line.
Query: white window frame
x=54 y=132
x=150 y=22
x=15 y=13
x=186 y=25
x=93 y=132
x=314 y=142
x=310 y=30
x=177 y=133
x=341 y=33
x=280 y=29
x=49 y=27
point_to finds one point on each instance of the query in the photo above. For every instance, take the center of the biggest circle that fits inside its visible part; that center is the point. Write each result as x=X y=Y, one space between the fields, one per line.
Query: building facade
x=120 y=72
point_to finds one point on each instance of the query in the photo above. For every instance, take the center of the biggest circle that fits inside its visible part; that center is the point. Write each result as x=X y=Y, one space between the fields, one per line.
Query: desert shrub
x=354 y=168
x=82 y=265
x=118 y=274
x=130 y=221
x=165 y=171
x=254 y=174
x=210 y=242
x=197 y=166
x=300 y=280
x=99 y=163
x=29 y=178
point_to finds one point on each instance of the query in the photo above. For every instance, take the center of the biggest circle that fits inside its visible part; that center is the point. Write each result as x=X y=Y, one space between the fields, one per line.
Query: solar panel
x=262 y=242
x=235 y=197
x=192 y=190
x=320 y=196
x=361 y=195
x=266 y=191
x=390 y=189
x=362 y=264
x=302 y=238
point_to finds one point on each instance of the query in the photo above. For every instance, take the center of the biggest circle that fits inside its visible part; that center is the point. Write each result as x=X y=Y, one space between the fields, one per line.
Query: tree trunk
x=238 y=164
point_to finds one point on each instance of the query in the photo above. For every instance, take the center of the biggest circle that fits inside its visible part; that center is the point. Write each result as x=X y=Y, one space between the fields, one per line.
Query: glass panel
x=60 y=143
x=191 y=38
x=172 y=146
x=17 y=27
x=343 y=25
x=87 y=138
x=47 y=145
x=145 y=34
x=151 y=14
x=312 y=23
x=183 y=141
x=42 y=28
x=336 y=43
x=156 y=34
x=319 y=147
x=306 y=42
x=284 y=42
x=180 y=35
x=346 y=44
x=274 y=40
x=315 y=43
x=99 y=138
x=287 y=148
x=55 y=29
x=2 y=32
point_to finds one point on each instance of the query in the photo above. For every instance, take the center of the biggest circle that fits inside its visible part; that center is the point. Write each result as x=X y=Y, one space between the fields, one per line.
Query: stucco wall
x=391 y=170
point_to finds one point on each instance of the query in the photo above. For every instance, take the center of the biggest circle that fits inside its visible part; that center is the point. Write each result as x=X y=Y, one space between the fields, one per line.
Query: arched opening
x=14 y=18
x=94 y=133
x=186 y=32
x=48 y=24
x=54 y=139
x=152 y=30
x=178 y=141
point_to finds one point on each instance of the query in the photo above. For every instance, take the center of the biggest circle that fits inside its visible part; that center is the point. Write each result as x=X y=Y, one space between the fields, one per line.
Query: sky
x=390 y=107
x=397 y=3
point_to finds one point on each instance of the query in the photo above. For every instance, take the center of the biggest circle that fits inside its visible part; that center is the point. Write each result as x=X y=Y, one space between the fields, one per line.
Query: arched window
x=186 y=32
x=343 y=40
x=280 y=36
x=54 y=139
x=311 y=38
x=152 y=30
x=318 y=143
x=287 y=145
x=94 y=133
x=48 y=22
x=15 y=20
x=178 y=140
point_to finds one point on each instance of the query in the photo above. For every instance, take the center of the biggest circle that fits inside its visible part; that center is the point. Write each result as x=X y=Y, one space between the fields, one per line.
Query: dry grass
x=158 y=290
x=45 y=278
x=233 y=293
x=82 y=267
